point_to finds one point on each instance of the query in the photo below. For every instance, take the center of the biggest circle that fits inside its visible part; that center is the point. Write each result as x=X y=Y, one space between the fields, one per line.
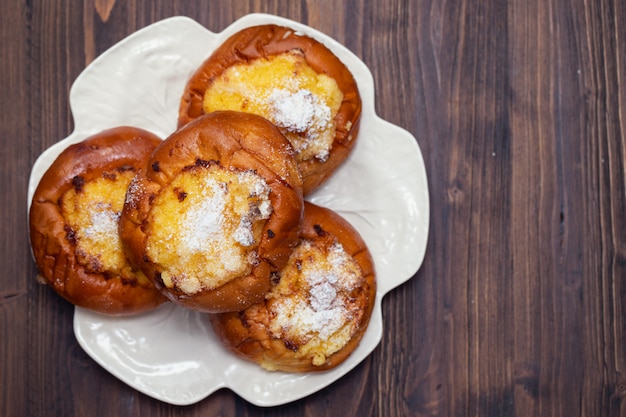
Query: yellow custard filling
x=287 y=91
x=313 y=306
x=205 y=226
x=91 y=210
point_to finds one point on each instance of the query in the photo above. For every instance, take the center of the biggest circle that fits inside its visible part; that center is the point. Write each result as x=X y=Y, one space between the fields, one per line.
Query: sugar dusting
x=209 y=236
x=301 y=113
x=203 y=223
x=103 y=224
x=133 y=191
x=322 y=309
x=298 y=111
x=285 y=90
x=258 y=211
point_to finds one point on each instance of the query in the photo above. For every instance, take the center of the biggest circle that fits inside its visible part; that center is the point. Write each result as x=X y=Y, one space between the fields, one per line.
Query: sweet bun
x=74 y=223
x=318 y=309
x=291 y=79
x=216 y=212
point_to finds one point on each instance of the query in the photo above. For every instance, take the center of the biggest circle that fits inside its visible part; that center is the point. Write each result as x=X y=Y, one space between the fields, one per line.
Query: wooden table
x=519 y=108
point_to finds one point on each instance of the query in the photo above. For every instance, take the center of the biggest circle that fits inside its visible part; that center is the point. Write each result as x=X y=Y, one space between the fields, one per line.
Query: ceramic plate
x=171 y=353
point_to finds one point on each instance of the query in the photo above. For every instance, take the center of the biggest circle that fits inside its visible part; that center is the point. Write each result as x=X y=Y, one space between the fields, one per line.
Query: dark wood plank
x=519 y=108
x=14 y=165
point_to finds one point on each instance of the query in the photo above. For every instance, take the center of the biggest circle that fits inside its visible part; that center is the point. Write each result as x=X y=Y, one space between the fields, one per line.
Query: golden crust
x=106 y=154
x=269 y=40
x=235 y=141
x=249 y=333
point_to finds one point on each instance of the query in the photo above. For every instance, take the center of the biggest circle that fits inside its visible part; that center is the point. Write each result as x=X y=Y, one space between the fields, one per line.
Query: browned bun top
x=266 y=41
x=316 y=315
x=231 y=145
x=110 y=157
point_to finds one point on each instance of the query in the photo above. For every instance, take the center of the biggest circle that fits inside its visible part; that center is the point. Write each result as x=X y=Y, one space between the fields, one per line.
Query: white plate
x=171 y=354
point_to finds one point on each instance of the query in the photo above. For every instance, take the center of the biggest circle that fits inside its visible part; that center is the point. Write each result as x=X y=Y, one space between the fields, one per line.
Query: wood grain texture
x=519 y=108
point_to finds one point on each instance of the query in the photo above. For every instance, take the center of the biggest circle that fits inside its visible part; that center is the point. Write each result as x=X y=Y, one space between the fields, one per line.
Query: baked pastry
x=74 y=223
x=291 y=79
x=319 y=307
x=216 y=212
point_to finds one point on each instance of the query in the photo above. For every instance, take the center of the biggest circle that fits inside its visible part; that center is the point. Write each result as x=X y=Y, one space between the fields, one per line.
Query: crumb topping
x=204 y=227
x=287 y=91
x=314 y=306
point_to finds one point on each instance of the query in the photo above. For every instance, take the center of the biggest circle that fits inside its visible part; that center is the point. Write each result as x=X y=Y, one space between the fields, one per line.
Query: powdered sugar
x=298 y=314
x=320 y=310
x=303 y=114
x=133 y=192
x=322 y=296
x=243 y=233
x=287 y=91
x=258 y=187
x=260 y=209
x=203 y=224
x=103 y=224
x=344 y=263
x=298 y=111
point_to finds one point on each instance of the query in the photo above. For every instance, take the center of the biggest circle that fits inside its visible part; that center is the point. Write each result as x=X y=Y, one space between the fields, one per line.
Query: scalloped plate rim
x=368 y=111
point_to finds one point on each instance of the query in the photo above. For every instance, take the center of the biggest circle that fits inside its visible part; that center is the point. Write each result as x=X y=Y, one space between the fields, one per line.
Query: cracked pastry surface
x=291 y=79
x=74 y=223
x=317 y=311
x=216 y=212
